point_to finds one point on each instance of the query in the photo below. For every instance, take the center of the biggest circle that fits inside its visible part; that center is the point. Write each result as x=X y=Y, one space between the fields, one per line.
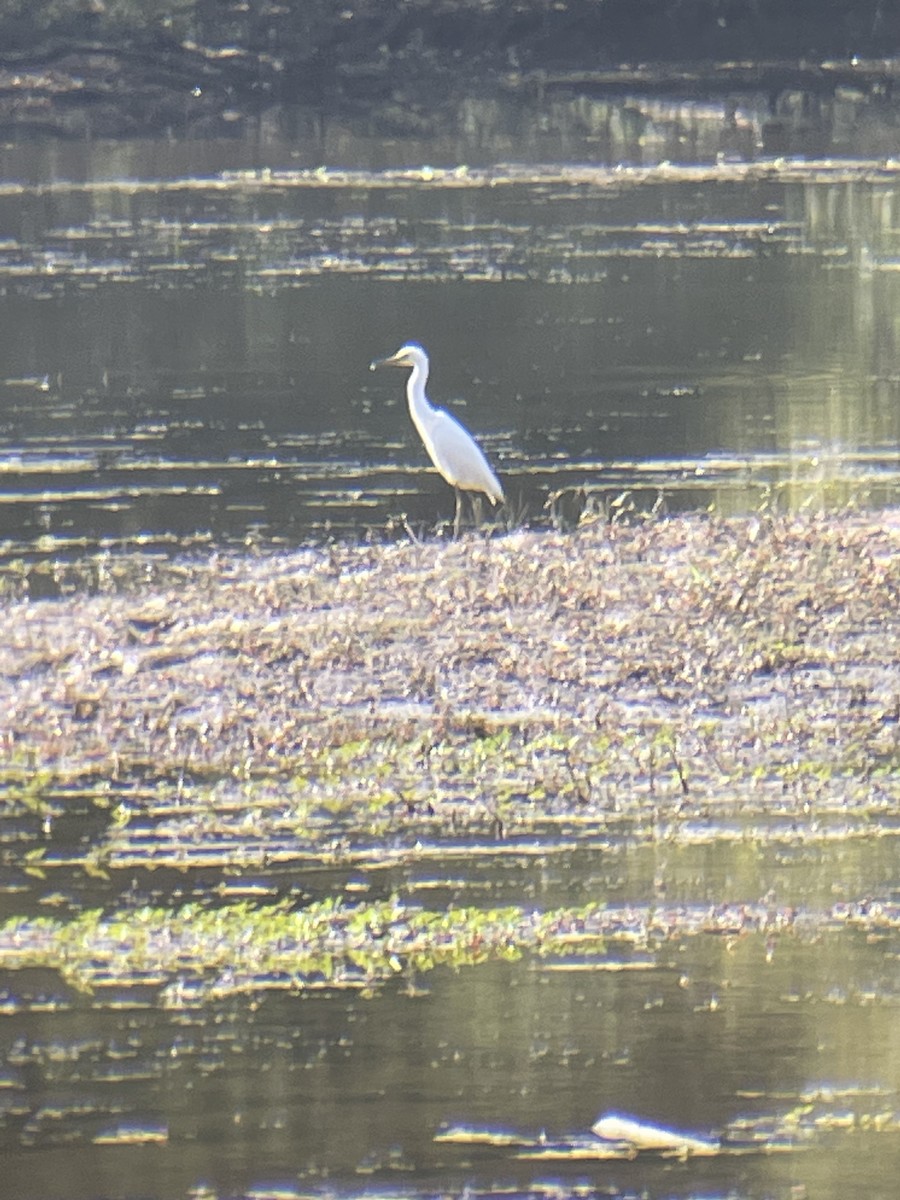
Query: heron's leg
x=477 y=510
x=458 y=518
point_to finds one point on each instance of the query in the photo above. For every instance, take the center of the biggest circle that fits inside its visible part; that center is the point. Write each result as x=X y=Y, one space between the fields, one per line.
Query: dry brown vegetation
x=369 y=707
x=690 y=658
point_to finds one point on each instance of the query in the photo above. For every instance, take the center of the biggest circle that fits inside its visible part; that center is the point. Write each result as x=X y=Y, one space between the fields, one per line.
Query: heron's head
x=410 y=355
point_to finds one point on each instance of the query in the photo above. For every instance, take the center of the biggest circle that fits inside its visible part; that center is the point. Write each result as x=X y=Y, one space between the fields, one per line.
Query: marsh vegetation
x=340 y=855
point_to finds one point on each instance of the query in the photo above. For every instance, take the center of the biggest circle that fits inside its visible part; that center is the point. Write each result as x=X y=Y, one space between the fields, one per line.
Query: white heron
x=450 y=446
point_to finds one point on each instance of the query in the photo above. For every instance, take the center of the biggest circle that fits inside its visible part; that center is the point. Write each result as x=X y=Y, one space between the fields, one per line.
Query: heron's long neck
x=419 y=408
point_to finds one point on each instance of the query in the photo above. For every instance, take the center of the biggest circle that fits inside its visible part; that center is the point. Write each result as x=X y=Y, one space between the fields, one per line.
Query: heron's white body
x=450 y=446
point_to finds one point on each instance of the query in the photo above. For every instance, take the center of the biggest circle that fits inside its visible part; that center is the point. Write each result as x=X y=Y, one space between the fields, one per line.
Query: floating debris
x=578 y=1150
x=467 y=1135
x=196 y=953
x=133 y=1135
x=620 y=1136
x=619 y=1129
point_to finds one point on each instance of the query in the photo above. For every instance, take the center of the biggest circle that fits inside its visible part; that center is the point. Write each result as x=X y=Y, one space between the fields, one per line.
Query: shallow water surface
x=340 y=1093
x=186 y=361
x=185 y=368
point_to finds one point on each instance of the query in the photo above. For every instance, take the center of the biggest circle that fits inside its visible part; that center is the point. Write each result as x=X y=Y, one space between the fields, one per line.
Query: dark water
x=184 y=365
x=186 y=361
x=336 y=1094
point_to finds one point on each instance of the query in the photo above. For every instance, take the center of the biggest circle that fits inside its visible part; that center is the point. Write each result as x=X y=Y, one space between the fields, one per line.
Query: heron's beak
x=394 y=360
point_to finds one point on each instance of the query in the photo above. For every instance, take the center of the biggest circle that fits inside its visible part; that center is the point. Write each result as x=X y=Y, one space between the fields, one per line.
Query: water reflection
x=187 y=360
x=185 y=366
x=349 y=1094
